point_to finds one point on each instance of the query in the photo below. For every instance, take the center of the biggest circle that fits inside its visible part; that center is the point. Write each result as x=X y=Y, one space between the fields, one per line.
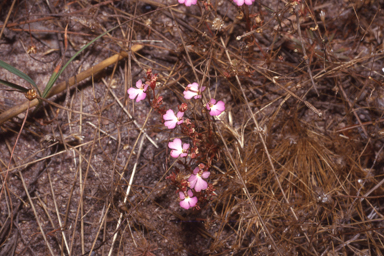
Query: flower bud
x=149 y=73
x=183 y=107
x=322 y=16
x=153 y=81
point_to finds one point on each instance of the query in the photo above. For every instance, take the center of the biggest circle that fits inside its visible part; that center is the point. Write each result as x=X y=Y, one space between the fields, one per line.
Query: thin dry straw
x=129 y=115
x=127 y=193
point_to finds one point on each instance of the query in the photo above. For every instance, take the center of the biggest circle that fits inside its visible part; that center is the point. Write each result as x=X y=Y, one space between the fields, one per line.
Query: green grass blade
x=268 y=9
x=55 y=76
x=51 y=82
x=19 y=74
x=15 y=86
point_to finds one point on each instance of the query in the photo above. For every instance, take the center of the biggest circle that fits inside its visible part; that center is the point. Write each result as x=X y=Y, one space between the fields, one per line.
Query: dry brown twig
x=8 y=114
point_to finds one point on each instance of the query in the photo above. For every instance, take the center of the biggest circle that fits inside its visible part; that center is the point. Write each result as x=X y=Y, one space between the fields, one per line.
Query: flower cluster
x=201 y=143
x=171 y=120
x=196 y=181
x=193 y=189
x=191 y=91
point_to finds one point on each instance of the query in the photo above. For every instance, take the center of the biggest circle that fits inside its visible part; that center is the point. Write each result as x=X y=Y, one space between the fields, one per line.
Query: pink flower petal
x=239 y=2
x=189 y=2
x=178 y=150
x=170 y=124
x=196 y=180
x=133 y=92
x=175 y=144
x=211 y=103
x=185 y=149
x=187 y=201
x=205 y=175
x=193 y=201
x=175 y=153
x=188 y=94
x=185 y=146
x=215 y=108
x=169 y=115
x=214 y=112
x=139 y=84
x=200 y=184
x=193 y=90
x=179 y=115
x=192 y=181
x=141 y=96
x=199 y=95
x=171 y=119
x=185 y=204
x=194 y=87
x=139 y=92
x=220 y=106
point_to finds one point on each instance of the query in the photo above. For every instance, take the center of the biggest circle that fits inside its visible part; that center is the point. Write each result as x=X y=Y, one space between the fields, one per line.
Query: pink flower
x=241 y=2
x=192 y=90
x=188 y=201
x=139 y=92
x=215 y=108
x=188 y=2
x=178 y=150
x=196 y=180
x=171 y=119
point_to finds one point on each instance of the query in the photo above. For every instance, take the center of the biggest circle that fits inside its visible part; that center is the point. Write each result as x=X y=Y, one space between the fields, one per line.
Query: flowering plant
x=202 y=149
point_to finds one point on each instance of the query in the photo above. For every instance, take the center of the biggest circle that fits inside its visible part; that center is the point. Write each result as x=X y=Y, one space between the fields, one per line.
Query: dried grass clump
x=317 y=174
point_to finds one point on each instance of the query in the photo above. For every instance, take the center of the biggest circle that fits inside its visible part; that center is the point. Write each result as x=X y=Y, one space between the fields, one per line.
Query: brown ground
x=309 y=181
